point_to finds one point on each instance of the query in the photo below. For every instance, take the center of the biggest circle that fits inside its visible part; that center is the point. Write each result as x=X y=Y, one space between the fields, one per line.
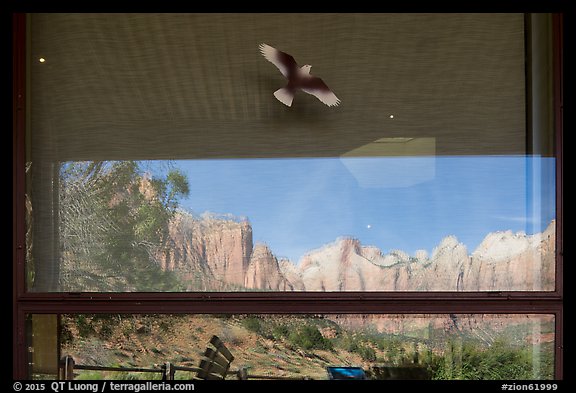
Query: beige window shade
x=182 y=86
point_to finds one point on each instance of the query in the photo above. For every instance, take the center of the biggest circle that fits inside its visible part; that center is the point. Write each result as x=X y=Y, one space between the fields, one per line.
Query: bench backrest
x=216 y=361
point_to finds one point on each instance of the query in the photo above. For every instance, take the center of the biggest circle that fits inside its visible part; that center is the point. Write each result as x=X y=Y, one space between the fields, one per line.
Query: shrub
x=84 y=326
x=252 y=324
x=309 y=337
x=499 y=361
x=280 y=331
x=367 y=353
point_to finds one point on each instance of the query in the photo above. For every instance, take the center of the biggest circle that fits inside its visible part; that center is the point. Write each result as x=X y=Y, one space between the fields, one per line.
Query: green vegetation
x=89 y=376
x=443 y=355
x=498 y=361
x=109 y=326
x=252 y=323
x=302 y=346
x=309 y=337
x=359 y=344
x=114 y=226
x=280 y=331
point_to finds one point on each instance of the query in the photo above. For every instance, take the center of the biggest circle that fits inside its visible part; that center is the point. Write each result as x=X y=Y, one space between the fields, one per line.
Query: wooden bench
x=214 y=365
x=216 y=362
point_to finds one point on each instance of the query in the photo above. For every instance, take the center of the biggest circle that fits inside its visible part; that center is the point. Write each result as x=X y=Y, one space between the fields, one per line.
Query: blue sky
x=408 y=203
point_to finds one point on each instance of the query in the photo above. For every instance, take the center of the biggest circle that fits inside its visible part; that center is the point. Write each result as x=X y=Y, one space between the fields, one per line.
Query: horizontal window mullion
x=286 y=305
x=288 y=296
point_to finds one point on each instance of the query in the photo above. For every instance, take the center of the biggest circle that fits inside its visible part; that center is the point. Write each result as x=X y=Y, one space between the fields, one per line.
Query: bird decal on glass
x=299 y=78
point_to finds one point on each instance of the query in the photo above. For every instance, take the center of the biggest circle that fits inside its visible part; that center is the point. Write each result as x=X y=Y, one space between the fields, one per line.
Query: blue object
x=345 y=373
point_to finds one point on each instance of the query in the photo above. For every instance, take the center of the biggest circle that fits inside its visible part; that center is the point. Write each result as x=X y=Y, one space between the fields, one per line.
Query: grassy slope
x=286 y=346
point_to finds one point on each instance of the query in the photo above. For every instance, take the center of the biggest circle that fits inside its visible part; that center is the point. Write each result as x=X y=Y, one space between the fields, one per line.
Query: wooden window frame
x=502 y=302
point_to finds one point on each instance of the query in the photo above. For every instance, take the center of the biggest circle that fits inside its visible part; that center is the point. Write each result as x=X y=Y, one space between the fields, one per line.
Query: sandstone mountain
x=217 y=253
x=210 y=252
x=264 y=272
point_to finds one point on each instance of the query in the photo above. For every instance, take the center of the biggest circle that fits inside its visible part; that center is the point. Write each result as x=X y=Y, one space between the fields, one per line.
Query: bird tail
x=285 y=96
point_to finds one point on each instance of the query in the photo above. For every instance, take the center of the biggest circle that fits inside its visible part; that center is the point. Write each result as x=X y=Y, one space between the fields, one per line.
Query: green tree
x=114 y=222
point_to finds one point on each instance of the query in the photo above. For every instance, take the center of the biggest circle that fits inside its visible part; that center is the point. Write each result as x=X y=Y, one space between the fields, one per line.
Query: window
x=156 y=168
x=421 y=346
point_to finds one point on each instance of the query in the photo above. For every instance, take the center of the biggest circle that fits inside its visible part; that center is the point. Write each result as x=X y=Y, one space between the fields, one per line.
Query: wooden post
x=66 y=371
x=168 y=371
x=242 y=373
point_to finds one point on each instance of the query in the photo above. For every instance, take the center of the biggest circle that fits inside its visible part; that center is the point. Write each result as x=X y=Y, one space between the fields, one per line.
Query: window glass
x=43 y=345
x=399 y=346
x=160 y=160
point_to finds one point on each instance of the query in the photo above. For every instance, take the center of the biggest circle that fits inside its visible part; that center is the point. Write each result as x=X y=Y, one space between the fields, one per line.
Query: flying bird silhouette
x=299 y=78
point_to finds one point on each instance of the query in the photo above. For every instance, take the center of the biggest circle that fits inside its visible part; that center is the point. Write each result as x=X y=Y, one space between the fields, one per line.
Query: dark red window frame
x=25 y=303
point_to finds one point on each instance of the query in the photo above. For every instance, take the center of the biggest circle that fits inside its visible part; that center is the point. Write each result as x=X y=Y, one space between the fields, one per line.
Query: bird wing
x=316 y=87
x=283 y=61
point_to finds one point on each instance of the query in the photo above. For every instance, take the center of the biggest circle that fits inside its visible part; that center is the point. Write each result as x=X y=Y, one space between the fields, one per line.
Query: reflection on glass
x=470 y=224
x=471 y=346
x=436 y=173
x=392 y=162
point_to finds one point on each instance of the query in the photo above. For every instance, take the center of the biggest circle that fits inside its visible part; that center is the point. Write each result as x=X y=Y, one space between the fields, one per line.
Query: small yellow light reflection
x=42 y=60
x=391 y=116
